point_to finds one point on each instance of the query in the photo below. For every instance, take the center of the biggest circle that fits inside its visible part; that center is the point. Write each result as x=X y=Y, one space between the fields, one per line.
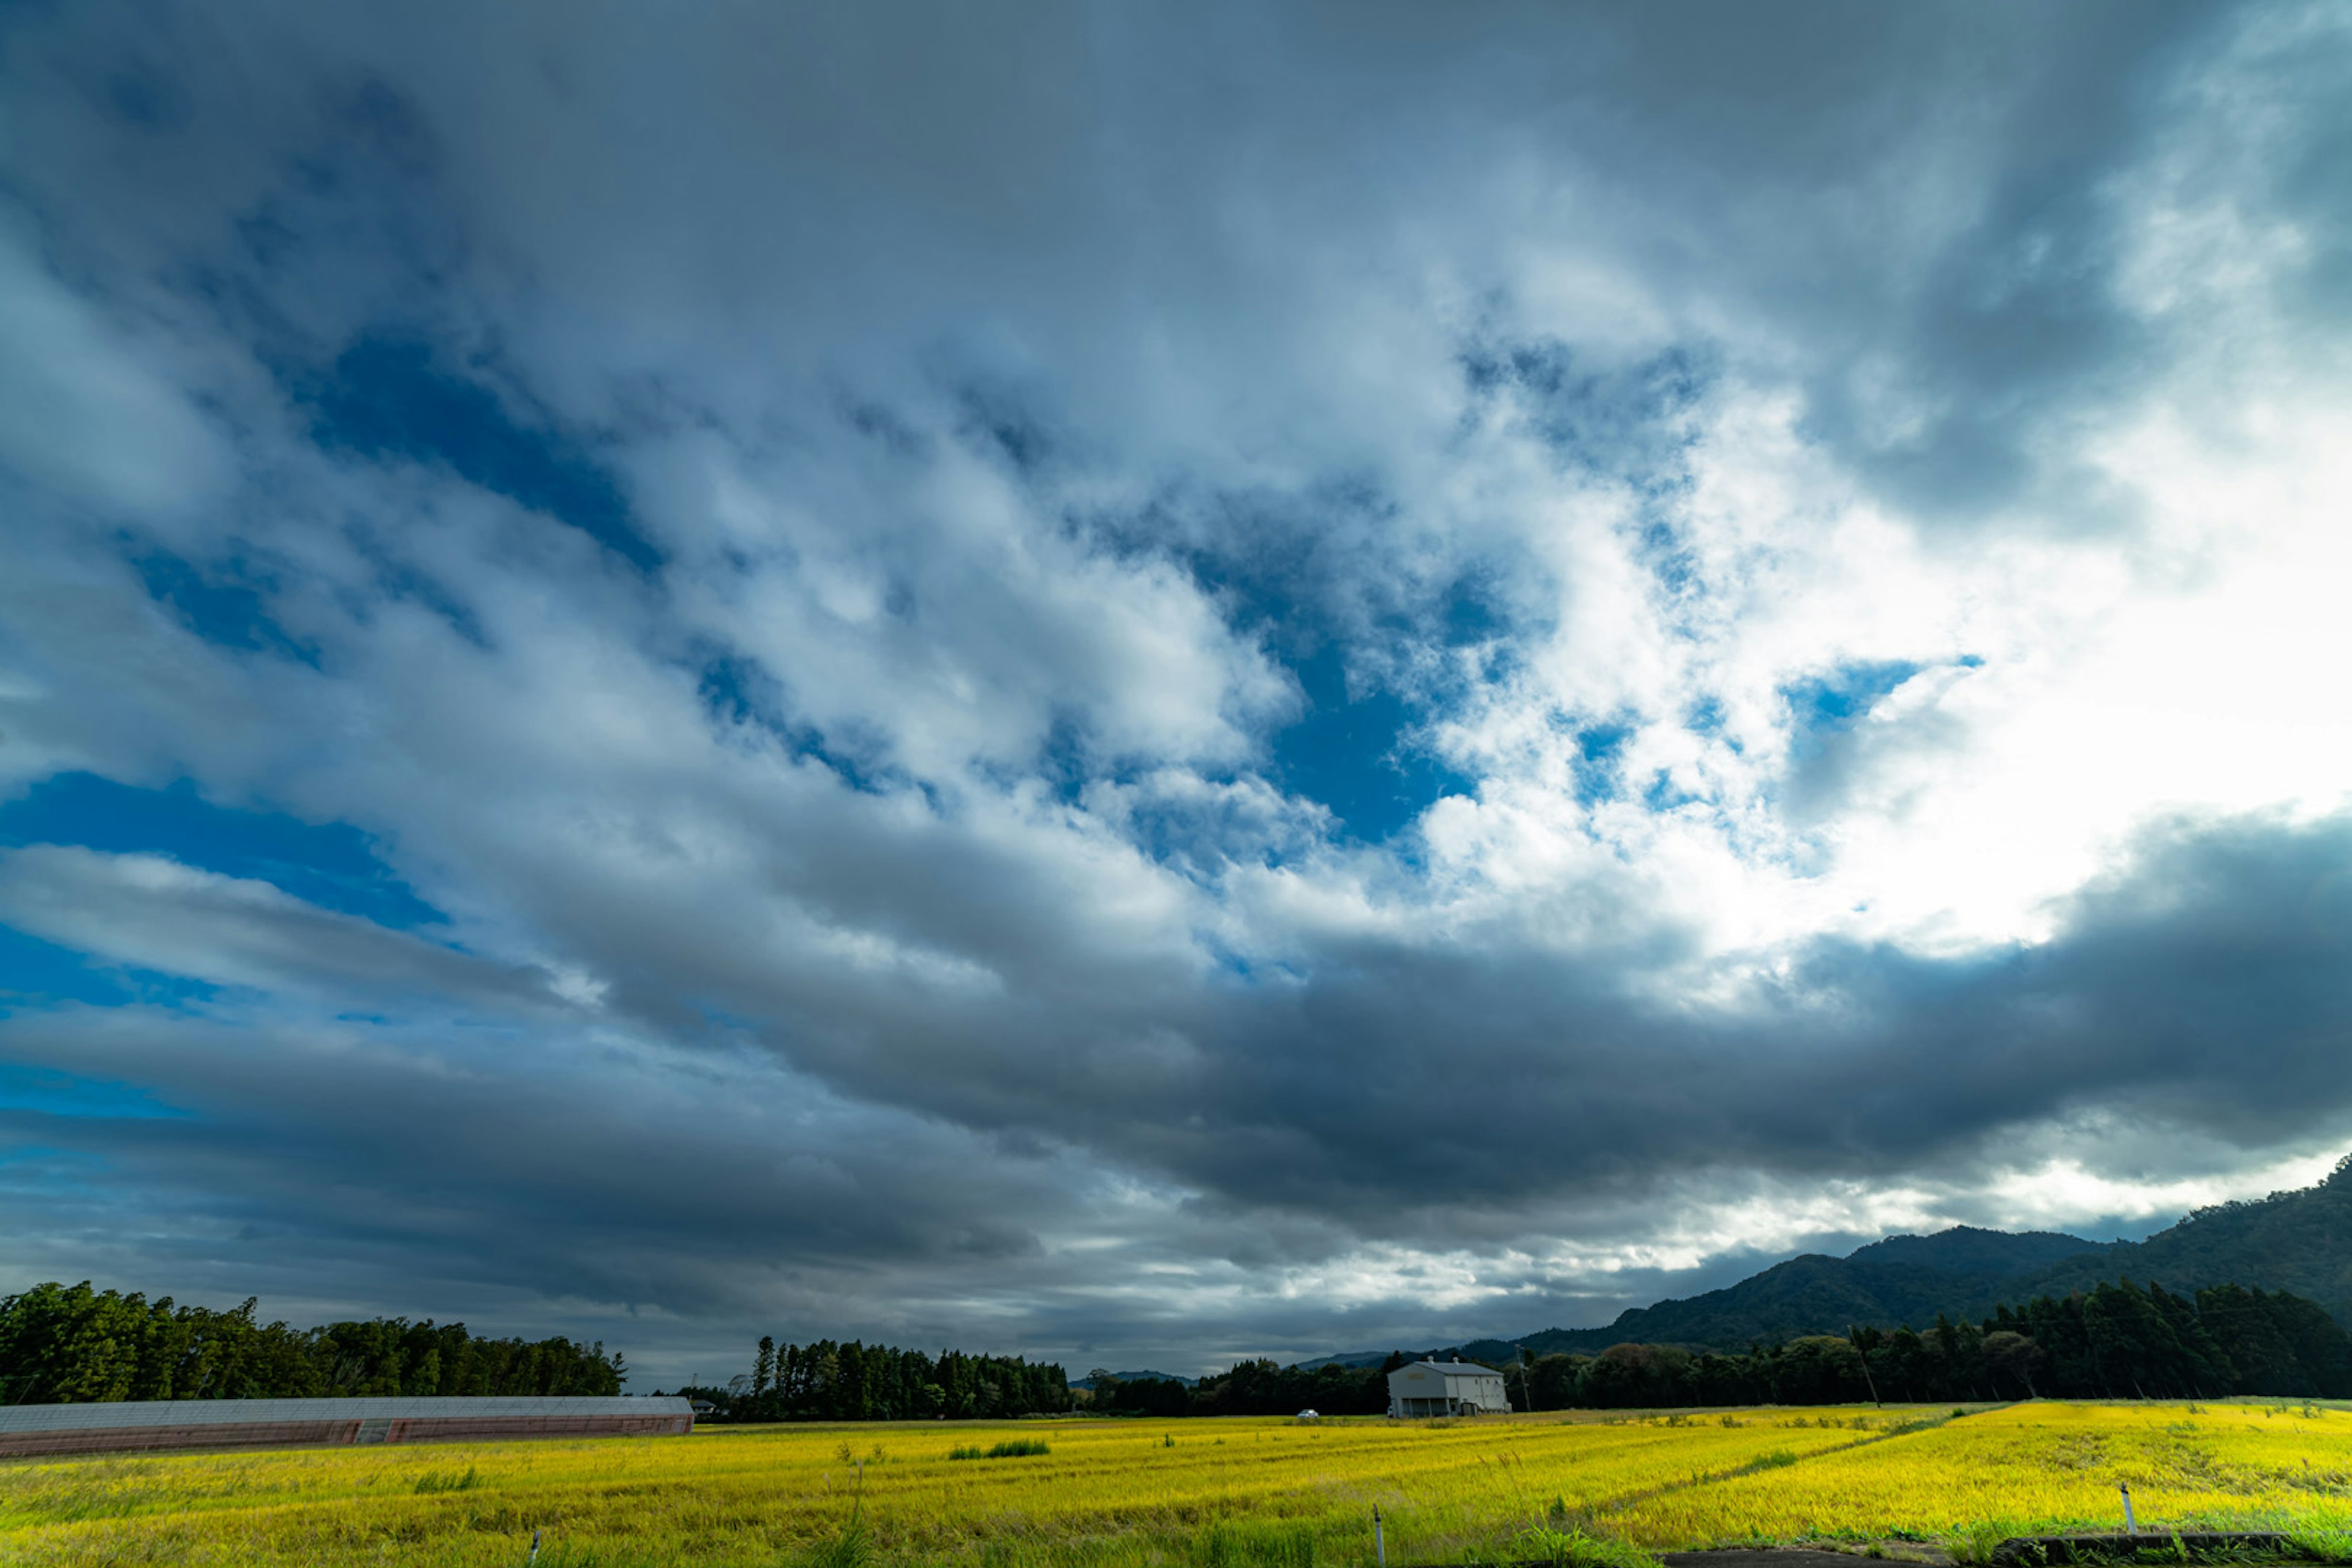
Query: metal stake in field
x=1379 y=1547
x=2130 y=1527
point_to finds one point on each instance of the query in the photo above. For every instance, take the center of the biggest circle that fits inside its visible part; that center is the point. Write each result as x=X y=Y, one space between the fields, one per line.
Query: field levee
x=149 y=1425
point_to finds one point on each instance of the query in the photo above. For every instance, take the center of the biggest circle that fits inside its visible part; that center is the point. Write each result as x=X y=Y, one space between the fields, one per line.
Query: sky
x=1150 y=684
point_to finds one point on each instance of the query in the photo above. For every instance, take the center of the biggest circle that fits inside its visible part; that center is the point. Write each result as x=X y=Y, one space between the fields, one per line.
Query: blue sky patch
x=1663 y=795
x=1355 y=756
x=154 y=100
x=1670 y=560
x=1597 y=762
x=35 y=974
x=1624 y=420
x=997 y=418
x=332 y=865
x=401 y=580
x=1469 y=614
x=388 y=398
x=1353 y=753
x=1064 y=758
x=46 y=1091
x=737 y=689
x=1834 y=701
x=223 y=606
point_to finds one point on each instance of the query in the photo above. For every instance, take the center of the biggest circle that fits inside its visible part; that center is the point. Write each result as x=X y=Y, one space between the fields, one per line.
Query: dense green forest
x=2115 y=1341
x=71 y=1345
x=1256 y=1388
x=832 y=1380
x=2299 y=1241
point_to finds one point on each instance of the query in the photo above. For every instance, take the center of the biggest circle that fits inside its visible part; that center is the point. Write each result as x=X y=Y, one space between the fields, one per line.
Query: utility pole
x=1855 y=1336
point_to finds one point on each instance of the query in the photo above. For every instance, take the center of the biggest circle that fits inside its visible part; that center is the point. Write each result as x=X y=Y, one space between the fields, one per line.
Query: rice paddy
x=1201 y=1493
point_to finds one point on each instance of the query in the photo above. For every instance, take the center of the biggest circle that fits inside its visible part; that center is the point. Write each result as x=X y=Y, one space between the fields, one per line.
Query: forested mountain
x=2297 y=1241
x=63 y=1344
x=1903 y=1279
x=1967 y=1251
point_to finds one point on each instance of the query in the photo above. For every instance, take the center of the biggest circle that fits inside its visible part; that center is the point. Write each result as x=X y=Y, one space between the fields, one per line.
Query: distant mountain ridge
x=1963 y=1271
x=1089 y=1381
x=1966 y=1249
x=1899 y=1280
x=2298 y=1241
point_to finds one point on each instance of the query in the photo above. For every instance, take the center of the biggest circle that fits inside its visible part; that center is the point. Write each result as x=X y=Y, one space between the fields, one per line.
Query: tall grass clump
x=1230 y=1544
x=568 y=1556
x=1018 y=1448
x=1573 y=1546
x=853 y=1547
x=1973 y=1544
x=2323 y=1546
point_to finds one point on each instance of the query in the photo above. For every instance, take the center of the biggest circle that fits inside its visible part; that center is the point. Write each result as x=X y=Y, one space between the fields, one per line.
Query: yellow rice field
x=1198 y=1493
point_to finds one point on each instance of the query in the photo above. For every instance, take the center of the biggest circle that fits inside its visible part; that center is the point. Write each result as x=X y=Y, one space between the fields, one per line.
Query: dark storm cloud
x=1957 y=356
x=476 y=1172
x=1921 y=204
x=2203 y=987
x=1019 y=678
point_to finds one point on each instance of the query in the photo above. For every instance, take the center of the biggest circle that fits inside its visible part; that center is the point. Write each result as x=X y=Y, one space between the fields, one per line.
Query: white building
x=1446 y=1388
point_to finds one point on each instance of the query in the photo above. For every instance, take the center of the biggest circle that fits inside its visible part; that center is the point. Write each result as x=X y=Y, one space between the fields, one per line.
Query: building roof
x=1453 y=1368
x=235 y=1412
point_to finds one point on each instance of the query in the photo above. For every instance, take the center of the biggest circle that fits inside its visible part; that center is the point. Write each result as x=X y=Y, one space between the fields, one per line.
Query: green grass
x=1019 y=1448
x=1574 y=1547
x=433 y=1481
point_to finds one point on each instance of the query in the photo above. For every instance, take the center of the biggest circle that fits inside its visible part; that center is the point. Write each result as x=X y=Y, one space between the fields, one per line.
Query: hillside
x=2296 y=1241
x=2299 y=1241
x=1089 y=1380
x=1901 y=1279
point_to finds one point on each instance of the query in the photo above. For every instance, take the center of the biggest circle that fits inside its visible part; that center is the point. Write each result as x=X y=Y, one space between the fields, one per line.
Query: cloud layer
x=1133 y=685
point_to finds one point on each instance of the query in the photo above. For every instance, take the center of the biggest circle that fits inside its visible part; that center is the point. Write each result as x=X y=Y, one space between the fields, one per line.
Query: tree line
x=63 y=1344
x=1259 y=1387
x=831 y=1380
x=2113 y=1341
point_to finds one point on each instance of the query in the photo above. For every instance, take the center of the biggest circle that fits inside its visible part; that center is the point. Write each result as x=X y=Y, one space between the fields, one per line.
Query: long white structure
x=293 y=1423
x=1446 y=1388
